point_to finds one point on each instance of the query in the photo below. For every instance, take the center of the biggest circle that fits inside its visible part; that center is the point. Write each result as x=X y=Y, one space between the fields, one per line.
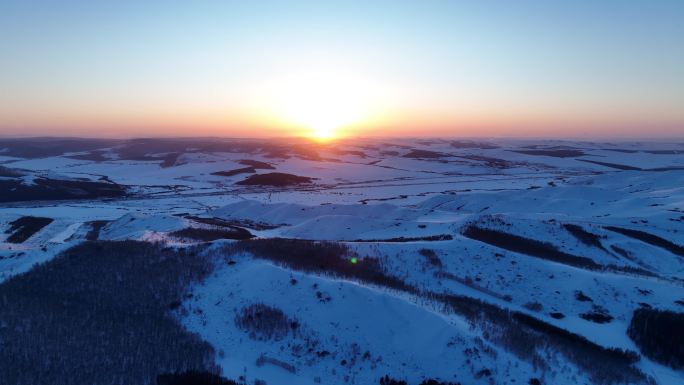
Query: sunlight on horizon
x=322 y=101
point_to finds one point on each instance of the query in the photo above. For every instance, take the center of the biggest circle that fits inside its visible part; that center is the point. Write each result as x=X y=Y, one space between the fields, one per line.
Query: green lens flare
x=354 y=260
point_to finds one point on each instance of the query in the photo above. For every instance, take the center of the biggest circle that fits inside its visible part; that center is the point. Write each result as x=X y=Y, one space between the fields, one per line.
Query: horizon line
x=351 y=137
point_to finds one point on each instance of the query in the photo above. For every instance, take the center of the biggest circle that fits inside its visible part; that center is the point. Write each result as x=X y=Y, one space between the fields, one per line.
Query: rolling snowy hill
x=472 y=262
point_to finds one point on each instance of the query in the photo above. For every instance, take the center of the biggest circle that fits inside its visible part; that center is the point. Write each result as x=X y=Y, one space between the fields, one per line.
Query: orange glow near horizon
x=445 y=128
x=327 y=118
x=327 y=100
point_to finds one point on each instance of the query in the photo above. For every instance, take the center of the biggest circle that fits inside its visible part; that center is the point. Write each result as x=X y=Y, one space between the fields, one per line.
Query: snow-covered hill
x=563 y=241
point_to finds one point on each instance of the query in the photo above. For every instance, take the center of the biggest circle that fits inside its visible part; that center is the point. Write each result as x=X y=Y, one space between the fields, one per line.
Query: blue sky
x=489 y=67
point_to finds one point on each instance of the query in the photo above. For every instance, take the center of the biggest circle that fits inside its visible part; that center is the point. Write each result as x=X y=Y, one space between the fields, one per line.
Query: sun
x=323 y=133
x=322 y=102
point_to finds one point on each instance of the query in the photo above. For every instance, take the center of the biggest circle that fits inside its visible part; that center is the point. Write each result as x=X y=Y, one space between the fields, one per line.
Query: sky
x=481 y=68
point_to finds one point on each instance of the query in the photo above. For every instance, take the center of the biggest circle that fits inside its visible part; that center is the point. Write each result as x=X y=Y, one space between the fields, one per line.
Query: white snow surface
x=370 y=200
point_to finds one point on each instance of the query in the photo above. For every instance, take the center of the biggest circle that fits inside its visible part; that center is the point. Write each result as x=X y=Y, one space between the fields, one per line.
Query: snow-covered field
x=556 y=230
